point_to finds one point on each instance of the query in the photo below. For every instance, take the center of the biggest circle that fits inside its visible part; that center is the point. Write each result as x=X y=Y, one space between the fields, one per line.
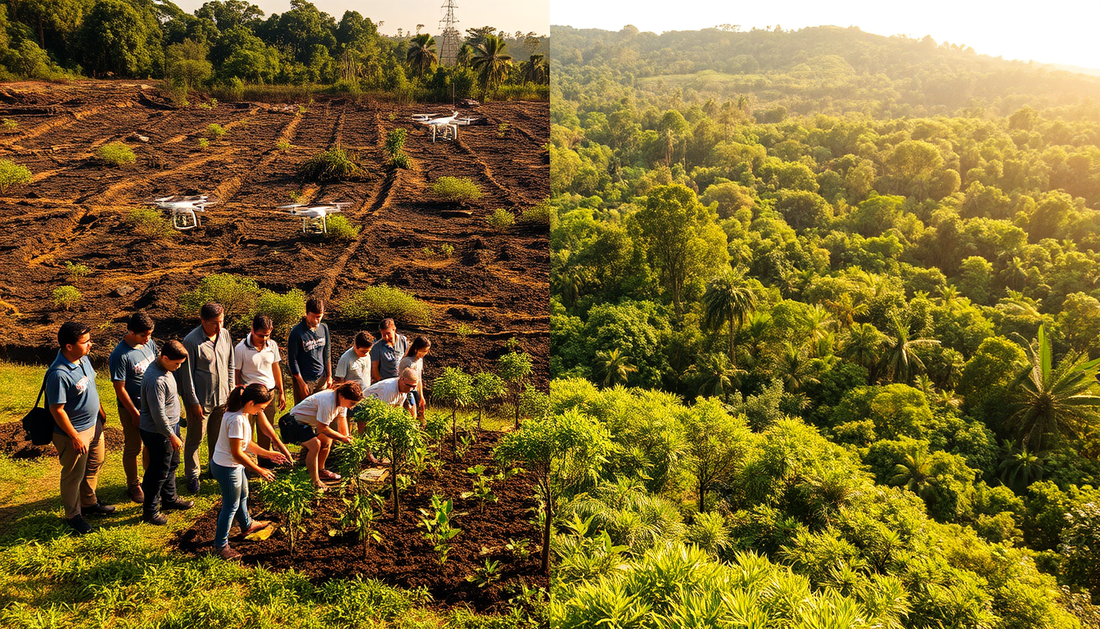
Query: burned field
x=493 y=287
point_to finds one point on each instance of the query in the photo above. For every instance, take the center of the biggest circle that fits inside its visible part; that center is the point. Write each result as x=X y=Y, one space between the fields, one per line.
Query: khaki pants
x=79 y=472
x=131 y=447
x=261 y=439
x=211 y=424
x=312 y=386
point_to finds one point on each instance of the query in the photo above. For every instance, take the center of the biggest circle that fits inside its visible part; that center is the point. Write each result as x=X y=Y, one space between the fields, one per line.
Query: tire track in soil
x=338 y=128
x=227 y=189
x=110 y=195
x=327 y=285
x=48 y=126
x=62 y=240
x=487 y=172
x=249 y=115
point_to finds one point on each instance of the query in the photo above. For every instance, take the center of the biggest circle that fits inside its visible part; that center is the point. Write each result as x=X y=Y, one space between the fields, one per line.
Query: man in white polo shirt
x=256 y=359
x=395 y=391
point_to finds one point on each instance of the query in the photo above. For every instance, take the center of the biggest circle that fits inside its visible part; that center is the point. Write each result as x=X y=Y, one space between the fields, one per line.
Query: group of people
x=230 y=393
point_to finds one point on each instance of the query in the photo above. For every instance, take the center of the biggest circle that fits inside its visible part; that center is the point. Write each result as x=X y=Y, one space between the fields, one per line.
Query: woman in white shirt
x=319 y=411
x=230 y=460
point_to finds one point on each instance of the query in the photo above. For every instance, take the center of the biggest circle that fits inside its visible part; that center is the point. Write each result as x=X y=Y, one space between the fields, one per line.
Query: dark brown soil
x=403 y=558
x=76 y=210
x=14 y=443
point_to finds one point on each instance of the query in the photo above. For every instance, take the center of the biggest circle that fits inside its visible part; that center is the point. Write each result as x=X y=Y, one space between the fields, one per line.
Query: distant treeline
x=814 y=70
x=230 y=43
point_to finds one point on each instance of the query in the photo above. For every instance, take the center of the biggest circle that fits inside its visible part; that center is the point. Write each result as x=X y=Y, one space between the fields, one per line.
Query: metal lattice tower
x=449 y=39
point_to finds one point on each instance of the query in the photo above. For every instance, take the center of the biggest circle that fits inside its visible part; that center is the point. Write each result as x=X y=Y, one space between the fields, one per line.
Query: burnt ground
x=14 y=442
x=403 y=558
x=76 y=208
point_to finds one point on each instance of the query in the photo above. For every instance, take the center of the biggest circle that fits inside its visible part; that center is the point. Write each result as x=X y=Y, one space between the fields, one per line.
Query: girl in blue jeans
x=230 y=459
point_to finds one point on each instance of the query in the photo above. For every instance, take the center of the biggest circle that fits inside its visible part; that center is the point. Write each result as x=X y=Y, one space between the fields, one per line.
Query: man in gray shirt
x=205 y=382
x=160 y=427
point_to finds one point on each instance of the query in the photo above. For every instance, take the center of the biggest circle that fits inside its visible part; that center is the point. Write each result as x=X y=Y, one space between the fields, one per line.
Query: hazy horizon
x=526 y=16
x=1060 y=34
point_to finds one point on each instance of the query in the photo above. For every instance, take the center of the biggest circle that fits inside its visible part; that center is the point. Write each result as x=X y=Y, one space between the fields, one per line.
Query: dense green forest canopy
x=232 y=41
x=822 y=312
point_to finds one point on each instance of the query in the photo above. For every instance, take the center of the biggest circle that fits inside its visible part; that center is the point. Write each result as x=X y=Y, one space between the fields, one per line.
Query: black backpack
x=38 y=423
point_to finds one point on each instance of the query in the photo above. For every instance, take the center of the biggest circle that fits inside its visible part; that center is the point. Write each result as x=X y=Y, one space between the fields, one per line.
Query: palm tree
x=716 y=376
x=614 y=367
x=536 y=70
x=728 y=299
x=861 y=346
x=1020 y=467
x=795 y=368
x=1054 y=402
x=845 y=310
x=1015 y=273
x=421 y=54
x=819 y=322
x=901 y=361
x=491 y=60
x=915 y=472
x=465 y=55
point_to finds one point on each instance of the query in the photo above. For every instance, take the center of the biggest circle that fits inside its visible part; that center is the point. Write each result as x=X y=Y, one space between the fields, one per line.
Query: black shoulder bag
x=38 y=423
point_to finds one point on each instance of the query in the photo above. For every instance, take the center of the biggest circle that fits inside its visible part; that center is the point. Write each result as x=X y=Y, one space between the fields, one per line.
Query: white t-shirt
x=256 y=365
x=417 y=365
x=386 y=390
x=319 y=407
x=354 y=369
x=234 y=426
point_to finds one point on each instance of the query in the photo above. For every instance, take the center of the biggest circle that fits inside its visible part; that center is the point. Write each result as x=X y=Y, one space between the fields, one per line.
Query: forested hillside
x=230 y=43
x=825 y=311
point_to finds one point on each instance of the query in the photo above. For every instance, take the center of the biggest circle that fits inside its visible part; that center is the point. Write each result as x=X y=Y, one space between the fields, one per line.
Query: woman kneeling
x=318 y=411
x=230 y=459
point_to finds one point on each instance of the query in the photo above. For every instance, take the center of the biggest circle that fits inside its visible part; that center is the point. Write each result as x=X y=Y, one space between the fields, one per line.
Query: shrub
x=12 y=174
x=335 y=164
x=395 y=141
x=501 y=219
x=438 y=528
x=282 y=146
x=236 y=294
x=340 y=228
x=215 y=131
x=9 y=125
x=291 y=495
x=454 y=389
x=203 y=143
x=502 y=129
x=285 y=310
x=394 y=434
x=375 y=303
x=66 y=296
x=464 y=331
x=77 y=271
x=116 y=154
x=456 y=189
x=150 y=223
x=446 y=250
x=538 y=215
x=402 y=160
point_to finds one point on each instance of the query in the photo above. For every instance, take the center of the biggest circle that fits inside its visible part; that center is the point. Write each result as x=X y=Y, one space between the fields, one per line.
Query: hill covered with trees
x=230 y=43
x=827 y=306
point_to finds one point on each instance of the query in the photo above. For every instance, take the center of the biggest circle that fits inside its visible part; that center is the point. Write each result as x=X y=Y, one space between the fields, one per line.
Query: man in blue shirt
x=73 y=401
x=128 y=362
x=308 y=353
x=387 y=351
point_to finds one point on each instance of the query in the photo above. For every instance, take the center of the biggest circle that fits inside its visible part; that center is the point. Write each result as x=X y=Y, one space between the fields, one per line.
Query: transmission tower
x=448 y=49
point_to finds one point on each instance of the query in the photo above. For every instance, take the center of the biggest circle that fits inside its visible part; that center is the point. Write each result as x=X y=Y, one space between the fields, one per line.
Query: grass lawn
x=124 y=576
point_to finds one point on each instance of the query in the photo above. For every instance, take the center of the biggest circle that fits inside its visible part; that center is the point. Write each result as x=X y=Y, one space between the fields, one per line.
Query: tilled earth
x=403 y=558
x=496 y=282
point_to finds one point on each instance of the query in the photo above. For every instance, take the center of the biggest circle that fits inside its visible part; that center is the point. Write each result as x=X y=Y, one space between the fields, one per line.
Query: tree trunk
x=733 y=350
x=702 y=496
x=393 y=473
x=546 y=533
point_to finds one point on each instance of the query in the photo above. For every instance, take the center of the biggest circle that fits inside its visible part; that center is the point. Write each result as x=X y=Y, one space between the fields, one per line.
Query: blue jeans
x=234 y=486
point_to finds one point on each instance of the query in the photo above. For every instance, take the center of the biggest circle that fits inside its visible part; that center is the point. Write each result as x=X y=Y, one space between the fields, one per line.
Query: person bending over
x=319 y=411
x=230 y=460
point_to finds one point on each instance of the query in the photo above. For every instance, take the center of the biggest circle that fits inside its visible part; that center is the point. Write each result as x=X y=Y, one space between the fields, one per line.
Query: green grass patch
x=500 y=219
x=371 y=305
x=340 y=228
x=65 y=297
x=335 y=164
x=456 y=189
x=538 y=215
x=116 y=154
x=150 y=223
x=12 y=174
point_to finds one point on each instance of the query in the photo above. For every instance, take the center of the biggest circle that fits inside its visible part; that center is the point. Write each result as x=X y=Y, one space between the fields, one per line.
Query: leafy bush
x=340 y=228
x=235 y=293
x=394 y=434
x=375 y=303
x=453 y=388
x=12 y=174
x=150 y=223
x=9 y=125
x=538 y=215
x=204 y=143
x=77 y=271
x=66 y=297
x=285 y=310
x=402 y=160
x=456 y=189
x=291 y=496
x=282 y=146
x=116 y=154
x=501 y=219
x=395 y=141
x=335 y=164
x=438 y=528
x=215 y=131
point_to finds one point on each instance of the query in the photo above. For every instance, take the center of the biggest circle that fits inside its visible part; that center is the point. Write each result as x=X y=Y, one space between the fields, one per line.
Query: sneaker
x=159 y=519
x=179 y=504
x=228 y=553
x=136 y=494
x=79 y=525
x=193 y=485
x=98 y=509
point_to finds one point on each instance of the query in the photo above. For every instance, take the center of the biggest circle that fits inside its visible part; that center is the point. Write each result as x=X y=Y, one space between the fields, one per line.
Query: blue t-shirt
x=128 y=364
x=307 y=351
x=388 y=358
x=73 y=384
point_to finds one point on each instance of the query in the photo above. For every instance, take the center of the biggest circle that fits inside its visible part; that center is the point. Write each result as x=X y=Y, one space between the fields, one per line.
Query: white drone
x=314 y=217
x=448 y=124
x=183 y=209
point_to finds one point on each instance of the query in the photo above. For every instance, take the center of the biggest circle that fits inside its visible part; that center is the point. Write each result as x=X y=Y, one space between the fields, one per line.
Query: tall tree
x=491 y=60
x=900 y=361
x=421 y=54
x=728 y=299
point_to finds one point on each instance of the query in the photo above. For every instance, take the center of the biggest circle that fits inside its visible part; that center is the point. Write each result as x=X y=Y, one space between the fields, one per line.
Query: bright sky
x=507 y=15
x=1052 y=31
